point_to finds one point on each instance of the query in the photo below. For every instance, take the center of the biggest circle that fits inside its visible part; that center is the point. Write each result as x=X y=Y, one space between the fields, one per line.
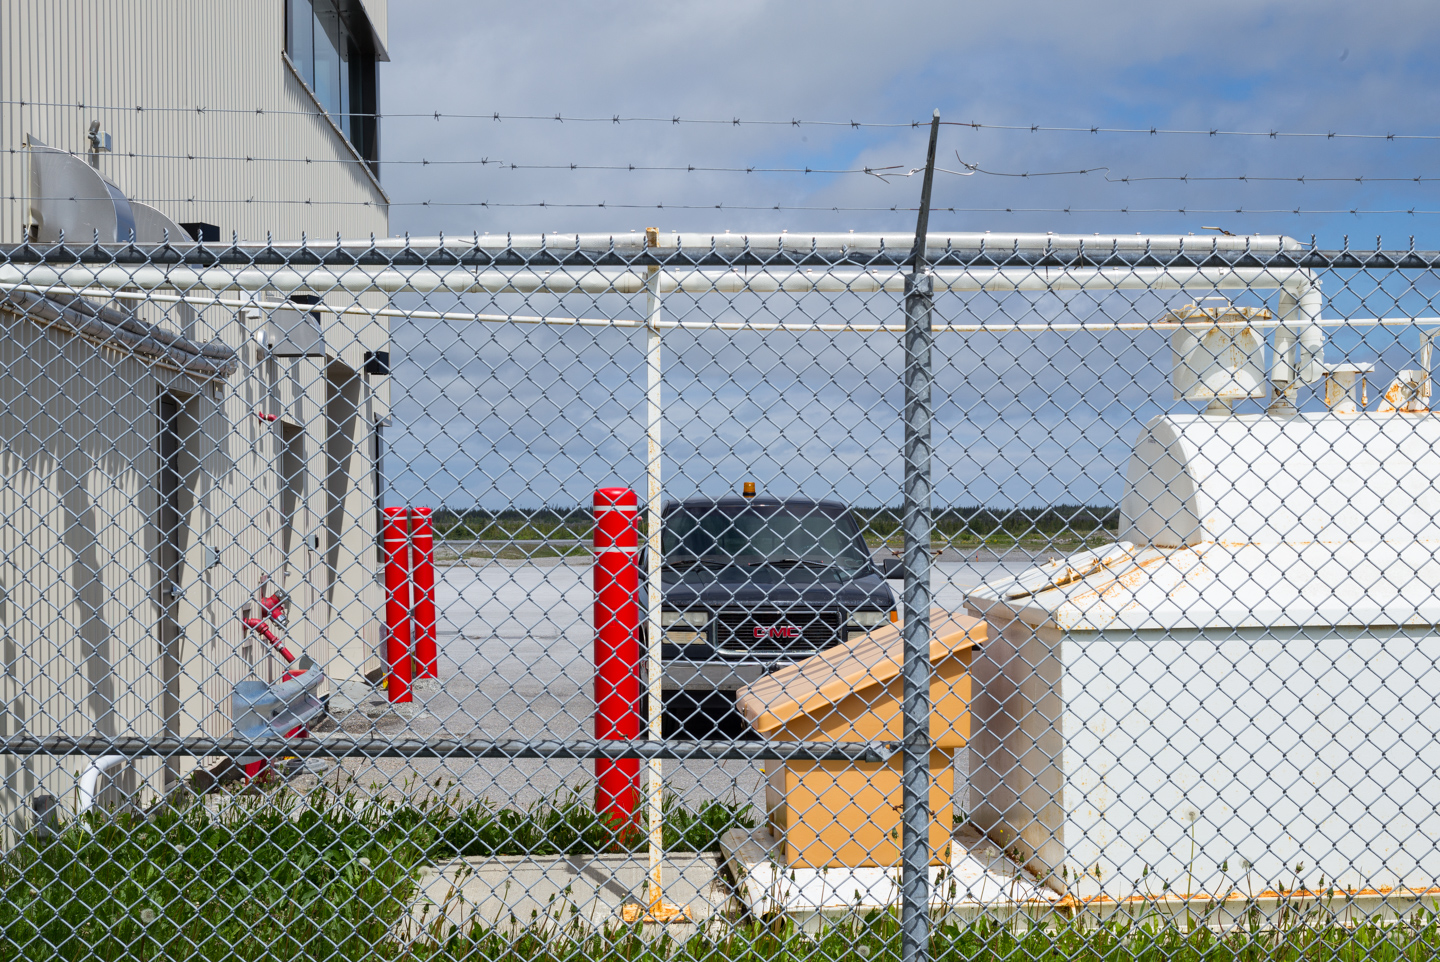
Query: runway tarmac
x=516 y=661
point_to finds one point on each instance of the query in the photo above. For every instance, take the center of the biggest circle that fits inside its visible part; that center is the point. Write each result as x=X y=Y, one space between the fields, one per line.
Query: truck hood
x=764 y=586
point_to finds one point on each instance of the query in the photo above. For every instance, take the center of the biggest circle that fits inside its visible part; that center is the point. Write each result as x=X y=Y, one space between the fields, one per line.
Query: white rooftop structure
x=1245 y=681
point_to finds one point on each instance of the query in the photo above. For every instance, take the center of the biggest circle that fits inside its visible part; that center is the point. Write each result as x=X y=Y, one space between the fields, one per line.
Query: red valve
x=274 y=606
x=273 y=609
x=259 y=626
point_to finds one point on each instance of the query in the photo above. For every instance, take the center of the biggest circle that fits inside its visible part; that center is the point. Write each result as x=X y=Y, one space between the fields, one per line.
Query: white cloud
x=1021 y=419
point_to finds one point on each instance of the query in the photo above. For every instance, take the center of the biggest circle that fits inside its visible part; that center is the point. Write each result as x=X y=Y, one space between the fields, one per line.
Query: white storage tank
x=1242 y=695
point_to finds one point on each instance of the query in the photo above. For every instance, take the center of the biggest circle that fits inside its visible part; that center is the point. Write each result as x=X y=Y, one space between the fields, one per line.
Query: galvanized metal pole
x=915 y=671
x=655 y=786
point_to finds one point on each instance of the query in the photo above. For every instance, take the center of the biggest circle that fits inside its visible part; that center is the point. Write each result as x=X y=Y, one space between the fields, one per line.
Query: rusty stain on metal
x=1406 y=394
x=1384 y=891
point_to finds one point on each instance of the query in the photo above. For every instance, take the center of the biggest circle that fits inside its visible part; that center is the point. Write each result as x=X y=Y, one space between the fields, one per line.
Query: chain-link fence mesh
x=636 y=679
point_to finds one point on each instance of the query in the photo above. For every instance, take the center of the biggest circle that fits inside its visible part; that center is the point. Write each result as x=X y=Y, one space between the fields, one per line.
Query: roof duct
x=68 y=196
x=153 y=227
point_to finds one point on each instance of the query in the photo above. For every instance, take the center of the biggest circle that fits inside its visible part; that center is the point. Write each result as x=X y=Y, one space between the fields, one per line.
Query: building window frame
x=331 y=48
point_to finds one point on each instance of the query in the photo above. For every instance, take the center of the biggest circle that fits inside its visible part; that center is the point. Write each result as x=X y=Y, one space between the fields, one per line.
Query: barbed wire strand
x=734 y=121
x=607 y=205
x=882 y=173
x=1184 y=178
x=506 y=165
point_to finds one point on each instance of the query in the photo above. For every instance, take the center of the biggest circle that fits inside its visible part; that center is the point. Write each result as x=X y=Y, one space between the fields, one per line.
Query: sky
x=499 y=414
x=1312 y=67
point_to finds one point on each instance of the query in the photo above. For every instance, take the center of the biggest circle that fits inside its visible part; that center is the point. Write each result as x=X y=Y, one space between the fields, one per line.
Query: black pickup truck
x=750 y=584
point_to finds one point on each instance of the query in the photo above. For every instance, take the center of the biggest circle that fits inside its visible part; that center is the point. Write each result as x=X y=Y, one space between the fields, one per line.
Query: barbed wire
x=737 y=121
x=1129 y=179
x=1186 y=178
x=822 y=208
x=880 y=172
x=506 y=165
x=494 y=116
x=1210 y=132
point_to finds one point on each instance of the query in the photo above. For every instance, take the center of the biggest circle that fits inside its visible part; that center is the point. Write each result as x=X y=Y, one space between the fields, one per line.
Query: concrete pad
x=559 y=891
x=980 y=876
x=982 y=881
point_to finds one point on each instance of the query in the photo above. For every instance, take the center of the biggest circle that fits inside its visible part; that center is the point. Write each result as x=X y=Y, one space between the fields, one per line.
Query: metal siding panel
x=172 y=53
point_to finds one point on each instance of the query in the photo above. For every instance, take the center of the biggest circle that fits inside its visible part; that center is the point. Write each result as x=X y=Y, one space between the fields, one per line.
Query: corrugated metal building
x=161 y=469
x=208 y=106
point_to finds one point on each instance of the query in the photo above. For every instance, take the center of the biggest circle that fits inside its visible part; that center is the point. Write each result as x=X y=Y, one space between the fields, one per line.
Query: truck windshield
x=779 y=537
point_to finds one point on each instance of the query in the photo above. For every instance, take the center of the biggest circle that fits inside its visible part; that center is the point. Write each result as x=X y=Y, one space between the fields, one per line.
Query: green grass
x=875 y=938
x=570 y=826
x=189 y=883
x=327 y=876
x=278 y=877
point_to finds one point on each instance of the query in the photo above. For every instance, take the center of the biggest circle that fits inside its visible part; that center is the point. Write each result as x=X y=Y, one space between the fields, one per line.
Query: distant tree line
x=564 y=522
x=982 y=522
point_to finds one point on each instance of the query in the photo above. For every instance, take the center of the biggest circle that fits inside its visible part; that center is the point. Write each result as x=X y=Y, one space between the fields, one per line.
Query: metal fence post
x=915 y=772
x=657 y=910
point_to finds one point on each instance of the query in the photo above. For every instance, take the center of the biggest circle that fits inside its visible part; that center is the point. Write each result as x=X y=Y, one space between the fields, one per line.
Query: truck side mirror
x=892 y=567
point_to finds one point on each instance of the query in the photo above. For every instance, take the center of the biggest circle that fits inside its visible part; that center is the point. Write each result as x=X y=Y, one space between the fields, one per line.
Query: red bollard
x=617 y=648
x=422 y=567
x=397 y=604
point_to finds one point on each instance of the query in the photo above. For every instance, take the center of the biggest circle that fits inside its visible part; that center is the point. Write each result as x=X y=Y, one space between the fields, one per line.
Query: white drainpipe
x=90 y=781
x=1299 y=342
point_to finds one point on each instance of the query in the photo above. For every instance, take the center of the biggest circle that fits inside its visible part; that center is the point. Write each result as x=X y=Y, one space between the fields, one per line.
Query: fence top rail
x=851 y=241
x=760 y=243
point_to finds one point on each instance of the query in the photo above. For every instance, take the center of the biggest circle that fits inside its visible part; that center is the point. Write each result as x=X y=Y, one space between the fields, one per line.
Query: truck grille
x=772 y=631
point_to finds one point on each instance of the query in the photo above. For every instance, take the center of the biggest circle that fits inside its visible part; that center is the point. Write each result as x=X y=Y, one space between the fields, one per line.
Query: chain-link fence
x=1139 y=532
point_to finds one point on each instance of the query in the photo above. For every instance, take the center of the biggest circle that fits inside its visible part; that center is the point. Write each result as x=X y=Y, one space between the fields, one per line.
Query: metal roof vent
x=69 y=196
x=1219 y=353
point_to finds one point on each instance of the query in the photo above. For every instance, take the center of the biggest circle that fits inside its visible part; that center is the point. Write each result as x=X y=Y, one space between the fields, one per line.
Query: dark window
x=331 y=45
x=778 y=537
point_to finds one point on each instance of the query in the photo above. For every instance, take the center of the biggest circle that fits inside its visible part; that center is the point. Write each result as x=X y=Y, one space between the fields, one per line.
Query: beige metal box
x=848 y=813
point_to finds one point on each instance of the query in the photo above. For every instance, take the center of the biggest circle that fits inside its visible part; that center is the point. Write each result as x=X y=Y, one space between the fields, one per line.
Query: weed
x=277 y=875
x=329 y=875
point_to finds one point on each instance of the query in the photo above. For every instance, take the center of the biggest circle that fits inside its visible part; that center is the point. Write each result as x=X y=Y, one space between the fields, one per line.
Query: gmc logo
x=777 y=631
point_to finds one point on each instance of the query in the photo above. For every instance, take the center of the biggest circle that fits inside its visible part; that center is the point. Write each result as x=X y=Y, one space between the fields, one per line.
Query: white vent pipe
x=1299 y=339
x=90 y=781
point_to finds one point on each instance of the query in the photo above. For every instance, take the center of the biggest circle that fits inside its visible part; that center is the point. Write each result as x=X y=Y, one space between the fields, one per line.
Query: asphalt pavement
x=516 y=661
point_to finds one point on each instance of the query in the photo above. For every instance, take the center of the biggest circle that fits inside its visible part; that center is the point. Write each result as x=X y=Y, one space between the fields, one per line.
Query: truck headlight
x=871 y=619
x=685 y=627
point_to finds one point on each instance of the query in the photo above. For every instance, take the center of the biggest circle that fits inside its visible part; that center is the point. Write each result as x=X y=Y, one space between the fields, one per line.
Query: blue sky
x=522 y=416
x=1312 y=67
